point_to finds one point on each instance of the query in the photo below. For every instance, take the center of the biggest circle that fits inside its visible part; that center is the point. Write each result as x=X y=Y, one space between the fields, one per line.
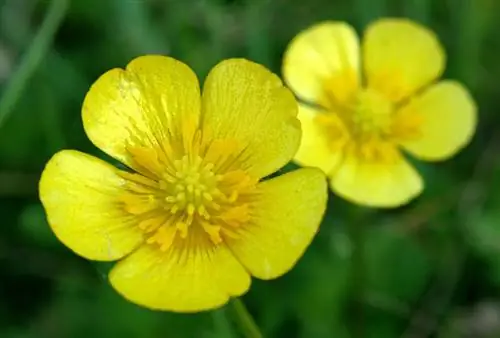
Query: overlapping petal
x=132 y=114
x=447 y=117
x=400 y=57
x=141 y=106
x=80 y=196
x=322 y=65
x=285 y=219
x=182 y=280
x=323 y=137
x=385 y=179
x=247 y=104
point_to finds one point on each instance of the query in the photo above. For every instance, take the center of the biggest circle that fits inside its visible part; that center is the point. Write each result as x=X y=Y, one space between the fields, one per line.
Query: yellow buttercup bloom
x=192 y=219
x=367 y=104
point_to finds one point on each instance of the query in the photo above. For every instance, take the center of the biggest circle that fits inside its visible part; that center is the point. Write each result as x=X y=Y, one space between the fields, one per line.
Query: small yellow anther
x=190 y=209
x=174 y=209
x=183 y=229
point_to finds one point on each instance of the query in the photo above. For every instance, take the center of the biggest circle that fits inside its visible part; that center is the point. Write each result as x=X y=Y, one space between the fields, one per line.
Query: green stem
x=30 y=61
x=245 y=319
x=357 y=277
x=222 y=324
x=468 y=22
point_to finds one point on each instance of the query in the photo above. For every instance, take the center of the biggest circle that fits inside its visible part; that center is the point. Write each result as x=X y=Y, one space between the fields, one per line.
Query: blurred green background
x=430 y=269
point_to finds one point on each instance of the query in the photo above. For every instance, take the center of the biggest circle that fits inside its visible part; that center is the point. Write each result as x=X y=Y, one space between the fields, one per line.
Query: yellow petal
x=247 y=104
x=322 y=64
x=80 y=194
x=323 y=137
x=286 y=217
x=447 y=116
x=383 y=180
x=140 y=106
x=400 y=57
x=181 y=281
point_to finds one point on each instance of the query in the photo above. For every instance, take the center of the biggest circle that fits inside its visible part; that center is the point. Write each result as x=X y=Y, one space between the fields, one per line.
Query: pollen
x=195 y=190
x=367 y=116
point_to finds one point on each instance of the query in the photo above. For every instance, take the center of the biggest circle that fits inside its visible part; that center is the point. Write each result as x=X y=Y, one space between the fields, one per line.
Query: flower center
x=192 y=188
x=190 y=192
x=367 y=121
x=368 y=116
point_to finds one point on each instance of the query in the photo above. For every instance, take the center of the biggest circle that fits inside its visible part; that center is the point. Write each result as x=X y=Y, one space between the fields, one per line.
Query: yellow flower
x=369 y=103
x=192 y=219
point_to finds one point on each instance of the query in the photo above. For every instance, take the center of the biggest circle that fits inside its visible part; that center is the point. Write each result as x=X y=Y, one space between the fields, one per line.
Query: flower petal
x=400 y=57
x=323 y=137
x=322 y=63
x=80 y=193
x=140 y=106
x=386 y=180
x=447 y=115
x=181 y=281
x=247 y=104
x=286 y=217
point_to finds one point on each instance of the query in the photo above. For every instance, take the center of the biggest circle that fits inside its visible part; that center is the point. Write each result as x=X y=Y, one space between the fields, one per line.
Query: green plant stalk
x=32 y=58
x=357 y=277
x=222 y=325
x=245 y=319
x=468 y=21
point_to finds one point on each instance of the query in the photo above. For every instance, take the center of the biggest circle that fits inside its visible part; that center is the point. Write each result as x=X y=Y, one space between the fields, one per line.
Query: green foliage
x=449 y=237
x=409 y=267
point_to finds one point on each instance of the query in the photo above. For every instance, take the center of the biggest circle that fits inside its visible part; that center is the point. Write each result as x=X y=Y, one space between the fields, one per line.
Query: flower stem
x=245 y=319
x=32 y=58
x=357 y=277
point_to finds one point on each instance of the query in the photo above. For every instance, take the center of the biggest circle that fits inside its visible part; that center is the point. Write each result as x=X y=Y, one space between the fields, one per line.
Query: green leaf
x=396 y=265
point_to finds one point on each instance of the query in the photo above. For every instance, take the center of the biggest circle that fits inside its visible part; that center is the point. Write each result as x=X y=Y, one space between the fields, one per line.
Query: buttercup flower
x=192 y=219
x=365 y=105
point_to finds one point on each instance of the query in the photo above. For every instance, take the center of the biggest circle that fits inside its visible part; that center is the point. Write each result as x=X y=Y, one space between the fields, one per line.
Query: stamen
x=367 y=115
x=236 y=215
x=183 y=229
x=213 y=231
x=190 y=209
x=200 y=187
x=139 y=204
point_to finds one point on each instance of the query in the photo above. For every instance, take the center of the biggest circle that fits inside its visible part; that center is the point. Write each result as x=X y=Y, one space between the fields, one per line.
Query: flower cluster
x=364 y=104
x=192 y=219
x=195 y=216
